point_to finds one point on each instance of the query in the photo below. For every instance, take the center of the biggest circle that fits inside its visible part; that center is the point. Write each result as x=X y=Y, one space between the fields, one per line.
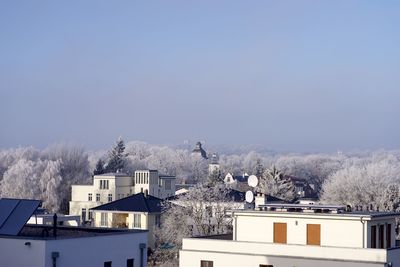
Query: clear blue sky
x=290 y=75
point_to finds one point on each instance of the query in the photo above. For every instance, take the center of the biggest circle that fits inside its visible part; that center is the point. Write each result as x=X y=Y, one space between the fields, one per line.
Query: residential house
x=281 y=235
x=113 y=186
x=138 y=211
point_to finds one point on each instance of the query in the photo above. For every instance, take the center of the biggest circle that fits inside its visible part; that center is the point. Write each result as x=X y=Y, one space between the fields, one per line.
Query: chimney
x=260 y=199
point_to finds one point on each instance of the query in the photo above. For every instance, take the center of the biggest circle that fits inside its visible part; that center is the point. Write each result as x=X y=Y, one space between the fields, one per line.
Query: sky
x=287 y=75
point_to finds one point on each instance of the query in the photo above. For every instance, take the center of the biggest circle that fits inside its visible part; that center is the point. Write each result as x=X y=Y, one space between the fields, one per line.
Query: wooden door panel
x=314 y=234
x=280 y=233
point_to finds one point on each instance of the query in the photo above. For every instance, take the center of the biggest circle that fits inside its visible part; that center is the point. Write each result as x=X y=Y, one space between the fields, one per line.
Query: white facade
x=128 y=219
x=116 y=248
x=110 y=187
x=299 y=238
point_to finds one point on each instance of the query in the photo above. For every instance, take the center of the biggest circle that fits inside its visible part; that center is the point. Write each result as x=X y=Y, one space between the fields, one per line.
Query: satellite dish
x=252 y=181
x=249 y=197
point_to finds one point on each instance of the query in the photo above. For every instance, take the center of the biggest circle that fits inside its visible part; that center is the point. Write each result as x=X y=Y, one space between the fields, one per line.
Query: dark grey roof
x=241 y=178
x=138 y=202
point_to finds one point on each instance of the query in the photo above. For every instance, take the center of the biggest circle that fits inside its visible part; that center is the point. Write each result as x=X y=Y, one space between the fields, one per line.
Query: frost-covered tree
x=22 y=180
x=50 y=185
x=274 y=183
x=202 y=211
x=391 y=198
x=366 y=183
x=214 y=178
x=99 y=169
x=74 y=169
x=116 y=157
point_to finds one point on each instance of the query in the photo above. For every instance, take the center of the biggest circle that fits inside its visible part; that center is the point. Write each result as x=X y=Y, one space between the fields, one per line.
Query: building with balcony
x=281 y=235
x=113 y=186
x=138 y=211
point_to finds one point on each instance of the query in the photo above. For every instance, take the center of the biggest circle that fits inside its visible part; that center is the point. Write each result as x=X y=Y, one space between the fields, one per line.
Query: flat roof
x=357 y=214
x=45 y=232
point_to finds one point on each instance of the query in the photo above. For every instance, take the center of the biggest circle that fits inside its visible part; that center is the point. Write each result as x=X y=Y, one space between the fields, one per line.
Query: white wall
x=94 y=251
x=336 y=230
x=87 y=251
x=234 y=253
x=14 y=252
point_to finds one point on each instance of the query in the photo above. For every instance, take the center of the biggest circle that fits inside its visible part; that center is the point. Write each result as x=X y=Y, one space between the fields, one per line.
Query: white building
x=36 y=246
x=299 y=235
x=112 y=186
x=134 y=212
x=53 y=245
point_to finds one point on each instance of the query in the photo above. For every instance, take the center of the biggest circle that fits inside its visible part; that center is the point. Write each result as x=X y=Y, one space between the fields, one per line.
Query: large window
x=104 y=184
x=389 y=235
x=280 y=233
x=381 y=233
x=373 y=236
x=90 y=197
x=314 y=234
x=137 y=220
x=206 y=263
x=130 y=262
x=104 y=219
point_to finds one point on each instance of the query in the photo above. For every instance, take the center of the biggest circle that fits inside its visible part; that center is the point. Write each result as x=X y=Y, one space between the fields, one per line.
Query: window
x=90 y=215
x=104 y=219
x=137 y=221
x=130 y=262
x=389 y=235
x=107 y=264
x=90 y=197
x=206 y=264
x=104 y=184
x=373 y=236
x=83 y=215
x=280 y=233
x=158 y=220
x=168 y=184
x=265 y=265
x=97 y=197
x=314 y=234
x=109 y=197
x=381 y=233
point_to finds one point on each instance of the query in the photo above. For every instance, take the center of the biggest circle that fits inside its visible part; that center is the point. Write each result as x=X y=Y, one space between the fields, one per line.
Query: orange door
x=314 y=234
x=280 y=233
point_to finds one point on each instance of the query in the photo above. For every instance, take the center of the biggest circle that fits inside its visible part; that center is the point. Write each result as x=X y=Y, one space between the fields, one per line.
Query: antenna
x=249 y=197
x=252 y=181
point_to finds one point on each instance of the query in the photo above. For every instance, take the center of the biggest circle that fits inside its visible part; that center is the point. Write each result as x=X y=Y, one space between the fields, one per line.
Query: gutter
x=363 y=231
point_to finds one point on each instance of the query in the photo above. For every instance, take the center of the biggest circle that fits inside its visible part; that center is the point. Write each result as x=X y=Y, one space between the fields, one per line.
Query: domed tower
x=198 y=150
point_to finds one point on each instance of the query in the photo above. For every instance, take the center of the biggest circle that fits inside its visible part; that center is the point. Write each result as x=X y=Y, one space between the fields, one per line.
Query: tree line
x=368 y=180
